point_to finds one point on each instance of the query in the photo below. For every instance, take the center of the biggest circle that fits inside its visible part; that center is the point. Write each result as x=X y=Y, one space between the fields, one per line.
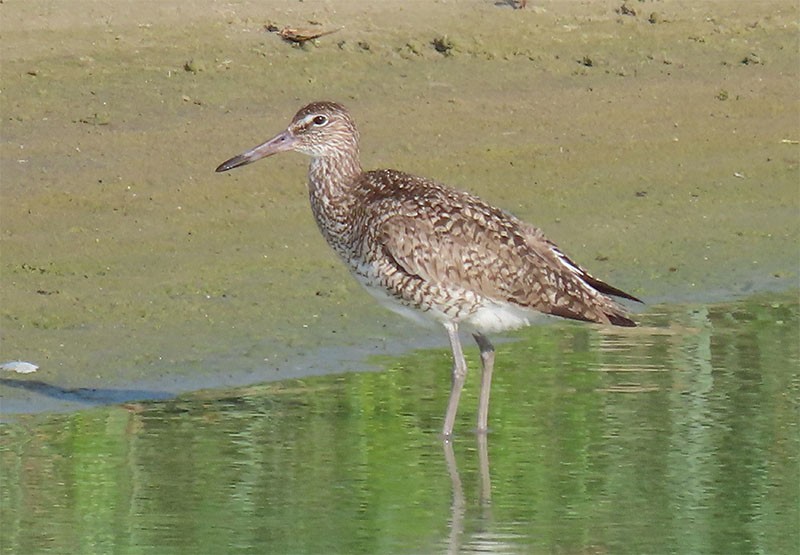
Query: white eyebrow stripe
x=307 y=120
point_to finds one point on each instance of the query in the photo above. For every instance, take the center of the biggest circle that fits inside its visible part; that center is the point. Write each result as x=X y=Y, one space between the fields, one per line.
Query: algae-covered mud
x=658 y=145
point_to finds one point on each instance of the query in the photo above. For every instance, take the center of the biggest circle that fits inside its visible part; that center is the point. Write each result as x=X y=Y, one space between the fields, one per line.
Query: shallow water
x=681 y=436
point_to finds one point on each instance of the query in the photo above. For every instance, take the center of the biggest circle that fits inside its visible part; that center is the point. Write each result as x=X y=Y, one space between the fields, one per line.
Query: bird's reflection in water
x=478 y=536
x=457 y=505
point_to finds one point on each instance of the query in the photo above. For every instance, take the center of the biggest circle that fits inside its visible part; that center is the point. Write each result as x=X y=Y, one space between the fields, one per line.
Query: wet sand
x=660 y=150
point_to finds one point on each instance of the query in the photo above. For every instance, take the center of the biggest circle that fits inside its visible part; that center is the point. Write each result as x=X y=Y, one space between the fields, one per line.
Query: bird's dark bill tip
x=234 y=162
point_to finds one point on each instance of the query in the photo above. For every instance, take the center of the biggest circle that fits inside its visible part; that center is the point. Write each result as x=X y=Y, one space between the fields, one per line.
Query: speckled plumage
x=434 y=249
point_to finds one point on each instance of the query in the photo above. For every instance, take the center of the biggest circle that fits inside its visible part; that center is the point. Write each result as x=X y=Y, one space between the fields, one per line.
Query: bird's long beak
x=279 y=143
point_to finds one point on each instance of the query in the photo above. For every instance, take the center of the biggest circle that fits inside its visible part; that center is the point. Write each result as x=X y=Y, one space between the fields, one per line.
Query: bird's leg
x=459 y=376
x=487 y=362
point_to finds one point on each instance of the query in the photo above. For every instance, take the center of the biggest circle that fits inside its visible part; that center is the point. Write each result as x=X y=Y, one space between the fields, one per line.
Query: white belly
x=490 y=315
x=500 y=316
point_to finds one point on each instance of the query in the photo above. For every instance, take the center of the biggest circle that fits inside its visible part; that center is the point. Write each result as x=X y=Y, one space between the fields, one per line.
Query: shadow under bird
x=426 y=249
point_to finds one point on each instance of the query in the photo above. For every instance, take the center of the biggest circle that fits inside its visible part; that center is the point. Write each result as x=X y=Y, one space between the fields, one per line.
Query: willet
x=426 y=249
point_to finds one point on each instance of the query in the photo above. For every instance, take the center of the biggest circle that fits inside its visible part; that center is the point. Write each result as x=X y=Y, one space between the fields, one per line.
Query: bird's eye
x=320 y=120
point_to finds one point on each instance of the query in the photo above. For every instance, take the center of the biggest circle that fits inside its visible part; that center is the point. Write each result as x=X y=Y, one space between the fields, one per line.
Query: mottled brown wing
x=495 y=258
x=542 y=244
x=587 y=296
x=443 y=254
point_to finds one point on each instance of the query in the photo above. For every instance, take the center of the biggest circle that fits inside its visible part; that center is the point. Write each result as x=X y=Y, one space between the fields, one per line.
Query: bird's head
x=320 y=129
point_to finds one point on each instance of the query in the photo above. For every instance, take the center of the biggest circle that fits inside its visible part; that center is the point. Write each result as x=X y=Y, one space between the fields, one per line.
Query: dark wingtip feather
x=619 y=320
x=607 y=289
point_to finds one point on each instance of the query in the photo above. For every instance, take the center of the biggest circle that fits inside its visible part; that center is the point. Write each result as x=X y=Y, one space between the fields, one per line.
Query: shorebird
x=426 y=249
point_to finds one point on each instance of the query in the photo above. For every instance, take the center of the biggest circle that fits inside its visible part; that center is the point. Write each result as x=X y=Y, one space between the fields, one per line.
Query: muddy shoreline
x=659 y=151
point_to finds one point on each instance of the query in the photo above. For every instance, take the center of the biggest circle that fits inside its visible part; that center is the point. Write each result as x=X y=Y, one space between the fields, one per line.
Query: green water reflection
x=678 y=437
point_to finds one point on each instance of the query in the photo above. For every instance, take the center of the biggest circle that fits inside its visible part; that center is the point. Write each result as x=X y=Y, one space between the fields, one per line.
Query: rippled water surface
x=681 y=436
